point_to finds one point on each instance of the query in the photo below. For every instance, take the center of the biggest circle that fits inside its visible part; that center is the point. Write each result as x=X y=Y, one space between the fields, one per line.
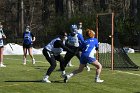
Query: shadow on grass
x=24 y=81
x=39 y=81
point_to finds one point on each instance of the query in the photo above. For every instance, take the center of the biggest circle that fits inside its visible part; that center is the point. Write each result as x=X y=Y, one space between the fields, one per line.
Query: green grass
x=17 y=78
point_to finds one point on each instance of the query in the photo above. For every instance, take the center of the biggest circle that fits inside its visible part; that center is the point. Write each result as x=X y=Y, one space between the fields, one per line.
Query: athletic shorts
x=27 y=46
x=85 y=60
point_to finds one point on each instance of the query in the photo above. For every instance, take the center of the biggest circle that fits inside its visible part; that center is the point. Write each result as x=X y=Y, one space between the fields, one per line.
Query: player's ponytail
x=90 y=33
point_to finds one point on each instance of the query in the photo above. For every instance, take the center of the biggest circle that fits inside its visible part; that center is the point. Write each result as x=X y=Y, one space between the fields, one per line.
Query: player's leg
x=67 y=58
x=98 y=71
x=62 y=68
x=78 y=55
x=1 y=57
x=51 y=59
x=30 y=49
x=80 y=69
x=24 y=55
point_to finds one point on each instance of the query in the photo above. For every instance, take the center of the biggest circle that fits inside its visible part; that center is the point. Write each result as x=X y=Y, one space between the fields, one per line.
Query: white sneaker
x=24 y=63
x=70 y=65
x=46 y=80
x=67 y=77
x=33 y=61
x=88 y=68
x=1 y=65
x=99 y=80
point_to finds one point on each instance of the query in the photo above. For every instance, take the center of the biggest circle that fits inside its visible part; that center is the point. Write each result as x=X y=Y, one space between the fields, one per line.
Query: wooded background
x=48 y=17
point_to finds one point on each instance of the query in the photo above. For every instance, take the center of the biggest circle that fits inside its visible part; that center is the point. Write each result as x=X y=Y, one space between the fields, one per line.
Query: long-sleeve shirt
x=56 y=46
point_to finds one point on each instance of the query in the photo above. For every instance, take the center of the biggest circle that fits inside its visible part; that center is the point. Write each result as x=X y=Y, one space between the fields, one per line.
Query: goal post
x=111 y=53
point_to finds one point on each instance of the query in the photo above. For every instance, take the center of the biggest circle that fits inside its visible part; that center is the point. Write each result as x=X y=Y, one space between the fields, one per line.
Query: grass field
x=17 y=78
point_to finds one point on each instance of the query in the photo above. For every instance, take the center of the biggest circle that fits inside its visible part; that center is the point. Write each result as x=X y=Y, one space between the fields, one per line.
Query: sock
x=1 y=63
x=24 y=59
x=97 y=77
x=47 y=76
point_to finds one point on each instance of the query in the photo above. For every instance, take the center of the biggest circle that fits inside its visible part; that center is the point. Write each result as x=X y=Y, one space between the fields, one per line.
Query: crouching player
x=88 y=47
x=52 y=52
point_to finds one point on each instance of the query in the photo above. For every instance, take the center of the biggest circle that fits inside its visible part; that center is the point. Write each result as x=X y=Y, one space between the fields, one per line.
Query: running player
x=87 y=56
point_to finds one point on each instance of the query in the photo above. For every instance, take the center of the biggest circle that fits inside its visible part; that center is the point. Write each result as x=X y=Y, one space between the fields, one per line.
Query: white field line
x=129 y=73
x=26 y=60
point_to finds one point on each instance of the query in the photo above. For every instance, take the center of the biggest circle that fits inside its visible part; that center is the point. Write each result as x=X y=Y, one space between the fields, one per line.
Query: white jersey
x=73 y=40
x=50 y=47
x=80 y=31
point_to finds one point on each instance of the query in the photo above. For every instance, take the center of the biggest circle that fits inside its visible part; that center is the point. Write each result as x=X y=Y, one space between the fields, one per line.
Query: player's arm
x=33 y=37
x=80 y=38
x=64 y=47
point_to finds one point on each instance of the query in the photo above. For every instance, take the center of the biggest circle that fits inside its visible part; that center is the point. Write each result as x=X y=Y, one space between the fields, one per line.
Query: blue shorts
x=85 y=60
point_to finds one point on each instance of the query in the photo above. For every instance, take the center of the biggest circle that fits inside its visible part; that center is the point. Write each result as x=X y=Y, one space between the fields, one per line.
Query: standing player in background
x=80 y=30
x=2 y=36
x=28 y=39
x=87 y=56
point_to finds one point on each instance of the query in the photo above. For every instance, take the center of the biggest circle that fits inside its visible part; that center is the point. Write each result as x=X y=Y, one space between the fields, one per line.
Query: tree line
x=48 y=17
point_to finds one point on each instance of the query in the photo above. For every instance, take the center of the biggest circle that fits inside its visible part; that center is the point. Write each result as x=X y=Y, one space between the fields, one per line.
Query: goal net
x=111 y=53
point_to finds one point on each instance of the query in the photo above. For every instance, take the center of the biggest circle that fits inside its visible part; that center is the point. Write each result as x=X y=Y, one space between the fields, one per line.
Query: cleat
x=1 y=65
x=70 y=65
x=67 y=77
x=99 y=81
x=88 y=68
x=24 y=63
x=46 y=80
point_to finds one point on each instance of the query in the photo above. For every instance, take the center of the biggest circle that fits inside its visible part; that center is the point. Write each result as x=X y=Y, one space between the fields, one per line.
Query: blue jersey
x=88 y=47
x=27 y=38
x=88 y=51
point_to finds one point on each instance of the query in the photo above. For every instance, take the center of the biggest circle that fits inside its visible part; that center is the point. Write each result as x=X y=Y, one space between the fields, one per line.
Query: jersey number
x=87 y=47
